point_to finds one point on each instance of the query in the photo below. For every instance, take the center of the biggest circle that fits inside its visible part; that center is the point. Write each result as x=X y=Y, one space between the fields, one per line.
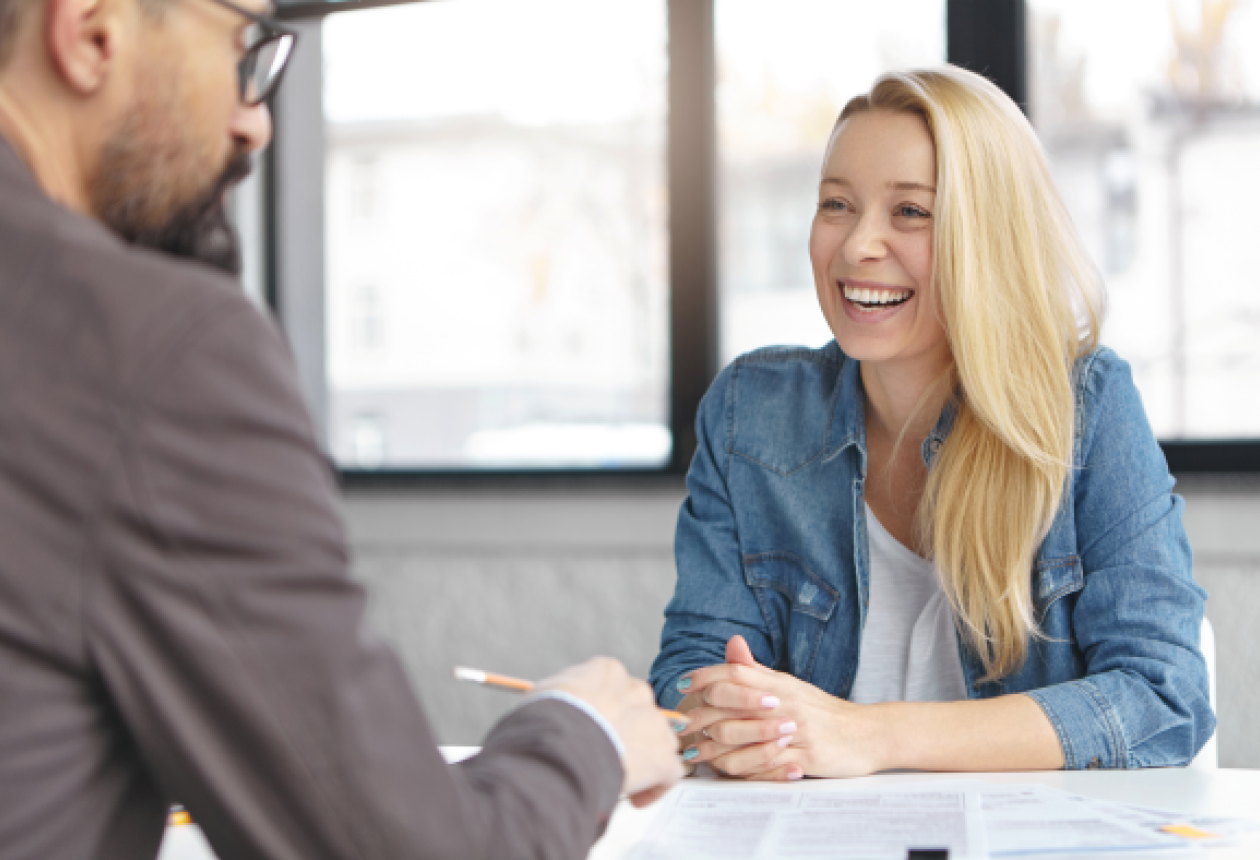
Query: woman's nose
x=866 y=242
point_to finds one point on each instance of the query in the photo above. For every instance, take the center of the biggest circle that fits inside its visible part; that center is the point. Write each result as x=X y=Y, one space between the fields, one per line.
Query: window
x=1152 y=138
x=548 y=223
x=782 y=81
x=495 y=234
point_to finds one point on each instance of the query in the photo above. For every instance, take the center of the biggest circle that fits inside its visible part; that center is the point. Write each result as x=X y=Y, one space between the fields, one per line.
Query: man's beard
x=142 y=193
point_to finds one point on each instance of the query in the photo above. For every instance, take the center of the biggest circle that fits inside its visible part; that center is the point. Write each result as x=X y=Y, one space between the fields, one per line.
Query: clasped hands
x=751 y=722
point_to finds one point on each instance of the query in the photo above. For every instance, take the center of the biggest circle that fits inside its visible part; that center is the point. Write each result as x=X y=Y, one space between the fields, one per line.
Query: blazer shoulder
x=117 y=312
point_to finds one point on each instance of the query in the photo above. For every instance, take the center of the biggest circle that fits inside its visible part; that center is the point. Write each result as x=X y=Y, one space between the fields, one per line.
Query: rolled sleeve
x=1144 y=700
x=1089 y=733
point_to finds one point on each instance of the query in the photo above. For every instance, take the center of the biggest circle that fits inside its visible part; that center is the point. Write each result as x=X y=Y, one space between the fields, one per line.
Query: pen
x=490 y=679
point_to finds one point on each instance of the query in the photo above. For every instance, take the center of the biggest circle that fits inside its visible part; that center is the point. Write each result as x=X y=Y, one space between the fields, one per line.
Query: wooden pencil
x=506 y=682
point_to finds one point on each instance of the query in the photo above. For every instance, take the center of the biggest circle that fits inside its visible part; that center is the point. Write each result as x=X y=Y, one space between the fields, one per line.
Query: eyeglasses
x=269 y=46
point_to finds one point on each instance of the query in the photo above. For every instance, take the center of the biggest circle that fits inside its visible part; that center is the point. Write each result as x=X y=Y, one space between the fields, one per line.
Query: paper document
x=862 y=825
x=972 y=818
x=1211 y=829
x=1032 y=819
x=876 y=826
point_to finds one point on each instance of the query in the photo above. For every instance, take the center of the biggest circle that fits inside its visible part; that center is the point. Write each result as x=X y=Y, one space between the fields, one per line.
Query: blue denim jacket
x=772 y=545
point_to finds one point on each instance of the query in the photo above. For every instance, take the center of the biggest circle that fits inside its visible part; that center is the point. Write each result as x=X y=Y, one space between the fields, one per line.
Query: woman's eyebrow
x=910 y=186
x=893 y=186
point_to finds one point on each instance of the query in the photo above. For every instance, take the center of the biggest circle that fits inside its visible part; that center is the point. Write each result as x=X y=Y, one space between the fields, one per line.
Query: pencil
x=490 y=679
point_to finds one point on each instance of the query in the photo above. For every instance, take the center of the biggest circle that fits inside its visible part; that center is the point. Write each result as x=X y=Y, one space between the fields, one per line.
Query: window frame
x=986 y=36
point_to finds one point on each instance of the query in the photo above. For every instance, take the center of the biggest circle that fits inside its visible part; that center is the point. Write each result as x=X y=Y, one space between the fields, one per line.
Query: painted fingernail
x=788 y=728
x=691 y=753
x=794 y=774
x=679 y=727
x=770 y=702
x=785 y=741
x=683 y=684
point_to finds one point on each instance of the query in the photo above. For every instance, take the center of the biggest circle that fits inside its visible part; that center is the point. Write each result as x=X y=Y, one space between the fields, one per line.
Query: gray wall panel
x=526 y=582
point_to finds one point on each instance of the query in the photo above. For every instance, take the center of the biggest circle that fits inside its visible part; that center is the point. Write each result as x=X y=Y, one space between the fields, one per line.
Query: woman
x=945 y=541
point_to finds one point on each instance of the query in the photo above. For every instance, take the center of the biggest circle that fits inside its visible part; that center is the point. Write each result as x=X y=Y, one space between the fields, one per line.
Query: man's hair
x=14 y=12
x=11 y=14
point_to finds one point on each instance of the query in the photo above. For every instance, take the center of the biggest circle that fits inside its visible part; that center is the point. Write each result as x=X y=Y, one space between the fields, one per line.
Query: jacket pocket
x=796 y=603
x=1054 y=578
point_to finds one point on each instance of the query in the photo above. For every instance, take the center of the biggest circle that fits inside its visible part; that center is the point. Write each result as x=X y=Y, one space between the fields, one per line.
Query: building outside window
x=502 y=190
x=1152 y=136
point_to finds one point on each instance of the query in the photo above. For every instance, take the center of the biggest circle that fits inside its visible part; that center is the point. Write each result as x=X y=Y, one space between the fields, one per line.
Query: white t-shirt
x=909 y=647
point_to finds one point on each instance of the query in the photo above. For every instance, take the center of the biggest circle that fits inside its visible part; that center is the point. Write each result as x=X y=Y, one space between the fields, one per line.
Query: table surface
x=1210 y=792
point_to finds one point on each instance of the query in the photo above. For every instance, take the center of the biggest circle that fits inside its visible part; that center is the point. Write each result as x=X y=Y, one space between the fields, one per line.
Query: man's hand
x=651 y=763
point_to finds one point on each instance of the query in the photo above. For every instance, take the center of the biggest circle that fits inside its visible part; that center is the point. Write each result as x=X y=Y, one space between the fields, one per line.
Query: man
x=175 y=618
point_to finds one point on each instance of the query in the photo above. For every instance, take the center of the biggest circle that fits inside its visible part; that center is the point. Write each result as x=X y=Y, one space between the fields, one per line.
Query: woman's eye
x=912 y=212
x=833 y=205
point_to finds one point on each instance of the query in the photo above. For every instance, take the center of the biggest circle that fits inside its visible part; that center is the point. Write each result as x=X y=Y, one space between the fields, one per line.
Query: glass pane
x=785 y=69
x=1153 y=138
x=496 y=246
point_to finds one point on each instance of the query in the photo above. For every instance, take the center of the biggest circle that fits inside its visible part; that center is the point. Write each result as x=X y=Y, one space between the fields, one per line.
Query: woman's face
x=871 y=244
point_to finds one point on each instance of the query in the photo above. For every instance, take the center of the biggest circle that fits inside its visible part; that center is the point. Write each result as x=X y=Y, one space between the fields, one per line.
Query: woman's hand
x=761 y=724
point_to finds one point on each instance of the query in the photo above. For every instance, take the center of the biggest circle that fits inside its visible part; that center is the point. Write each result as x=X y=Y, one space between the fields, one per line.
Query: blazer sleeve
x=231 y=641
x=712 y=602
x=1144 y=700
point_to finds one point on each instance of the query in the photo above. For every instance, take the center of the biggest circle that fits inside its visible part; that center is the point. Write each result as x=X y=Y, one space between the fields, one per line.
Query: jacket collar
x=13 y=170
x=849 y=419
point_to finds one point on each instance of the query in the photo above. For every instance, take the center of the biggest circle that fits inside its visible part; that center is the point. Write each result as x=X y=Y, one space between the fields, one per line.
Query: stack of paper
x=971 y=819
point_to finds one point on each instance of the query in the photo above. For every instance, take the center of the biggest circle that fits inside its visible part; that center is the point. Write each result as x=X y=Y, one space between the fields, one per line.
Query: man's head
x=132 y=111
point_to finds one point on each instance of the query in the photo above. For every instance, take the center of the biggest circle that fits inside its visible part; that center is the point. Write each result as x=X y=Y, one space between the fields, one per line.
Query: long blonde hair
x=1020 y=301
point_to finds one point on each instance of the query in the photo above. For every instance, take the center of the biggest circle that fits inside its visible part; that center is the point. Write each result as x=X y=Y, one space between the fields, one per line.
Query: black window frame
x=986 y=36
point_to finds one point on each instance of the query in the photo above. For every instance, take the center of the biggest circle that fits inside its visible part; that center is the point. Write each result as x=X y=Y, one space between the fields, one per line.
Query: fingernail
x=770 y=702
x=679 y=727
x=683 y=684
x=794 y=774
x=785 y=741
x=691 y=753
x=787 y=729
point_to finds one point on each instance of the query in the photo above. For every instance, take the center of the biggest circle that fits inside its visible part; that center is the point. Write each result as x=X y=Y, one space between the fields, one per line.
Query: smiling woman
x=947 y=539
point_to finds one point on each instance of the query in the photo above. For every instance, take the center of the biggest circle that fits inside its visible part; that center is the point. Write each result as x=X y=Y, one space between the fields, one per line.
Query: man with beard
x=176 y=622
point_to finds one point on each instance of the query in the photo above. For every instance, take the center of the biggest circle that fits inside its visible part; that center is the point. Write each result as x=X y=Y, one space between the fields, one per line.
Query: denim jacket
x=772 y=545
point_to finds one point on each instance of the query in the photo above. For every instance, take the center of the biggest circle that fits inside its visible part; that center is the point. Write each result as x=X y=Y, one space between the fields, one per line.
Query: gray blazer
x=176 y=621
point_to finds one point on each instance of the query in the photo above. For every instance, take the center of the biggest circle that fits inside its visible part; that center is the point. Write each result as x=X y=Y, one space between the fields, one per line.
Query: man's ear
x=83 y=38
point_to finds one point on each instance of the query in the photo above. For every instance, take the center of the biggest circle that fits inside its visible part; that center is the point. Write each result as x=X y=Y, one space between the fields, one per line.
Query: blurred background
x=511 y=242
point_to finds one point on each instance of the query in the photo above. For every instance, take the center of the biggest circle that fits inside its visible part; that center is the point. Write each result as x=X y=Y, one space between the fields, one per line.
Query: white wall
x=527 y=581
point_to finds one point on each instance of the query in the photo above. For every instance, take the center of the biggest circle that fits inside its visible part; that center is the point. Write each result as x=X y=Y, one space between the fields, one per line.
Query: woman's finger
x=736 y=697
x=788 y=765
x=735 y=733
x=751 y=759
x=701 y=720
x=705 y=751
x=729 y=673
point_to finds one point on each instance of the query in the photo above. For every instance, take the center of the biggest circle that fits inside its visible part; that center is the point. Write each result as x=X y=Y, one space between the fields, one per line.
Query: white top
x=909 y=648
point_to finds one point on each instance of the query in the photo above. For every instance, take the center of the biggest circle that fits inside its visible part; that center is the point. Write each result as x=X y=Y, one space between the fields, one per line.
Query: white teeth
x=875 y=297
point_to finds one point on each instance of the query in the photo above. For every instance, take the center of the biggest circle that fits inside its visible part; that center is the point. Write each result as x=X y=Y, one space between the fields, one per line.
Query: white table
x=1214 y=792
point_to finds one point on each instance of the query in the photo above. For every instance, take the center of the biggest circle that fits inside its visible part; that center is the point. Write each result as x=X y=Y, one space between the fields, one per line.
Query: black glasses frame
x=272 y=32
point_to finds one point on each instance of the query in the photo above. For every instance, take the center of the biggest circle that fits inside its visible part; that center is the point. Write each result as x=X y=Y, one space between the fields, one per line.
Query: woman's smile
x=868 y=302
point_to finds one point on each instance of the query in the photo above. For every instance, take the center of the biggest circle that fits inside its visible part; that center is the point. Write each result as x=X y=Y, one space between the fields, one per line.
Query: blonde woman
x=946 y=540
